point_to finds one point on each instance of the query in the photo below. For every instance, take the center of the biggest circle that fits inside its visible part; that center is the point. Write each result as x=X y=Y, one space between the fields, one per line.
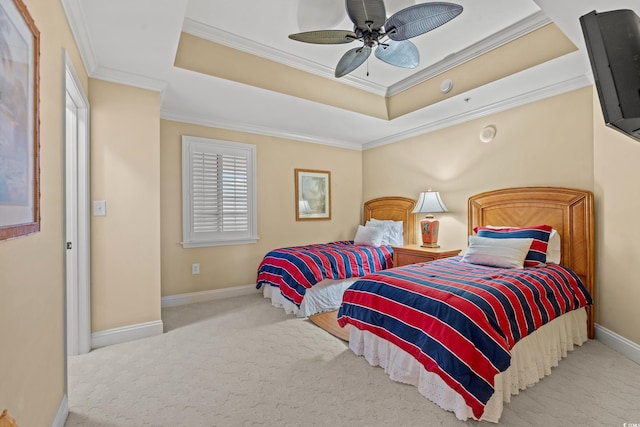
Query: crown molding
x=77 y=22
x=129 y=79
x=524 y=26
x=234 y=41
x=179 y=116
x=538 y=94
x=559 y=88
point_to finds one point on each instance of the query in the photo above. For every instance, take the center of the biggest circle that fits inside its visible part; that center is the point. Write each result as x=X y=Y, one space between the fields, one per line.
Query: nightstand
x=411 y=254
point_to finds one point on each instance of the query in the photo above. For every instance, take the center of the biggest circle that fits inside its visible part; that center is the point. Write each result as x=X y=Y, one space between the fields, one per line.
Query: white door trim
x=78 y=310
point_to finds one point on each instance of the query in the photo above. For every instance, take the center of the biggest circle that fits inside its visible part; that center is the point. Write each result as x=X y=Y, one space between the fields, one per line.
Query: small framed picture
x=313 y=194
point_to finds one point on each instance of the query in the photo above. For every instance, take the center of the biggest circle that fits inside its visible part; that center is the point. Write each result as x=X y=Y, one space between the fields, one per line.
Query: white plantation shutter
x=219 y=188
x=218 y=192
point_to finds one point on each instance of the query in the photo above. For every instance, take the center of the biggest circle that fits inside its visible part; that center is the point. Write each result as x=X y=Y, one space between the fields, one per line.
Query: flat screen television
x=613 y=45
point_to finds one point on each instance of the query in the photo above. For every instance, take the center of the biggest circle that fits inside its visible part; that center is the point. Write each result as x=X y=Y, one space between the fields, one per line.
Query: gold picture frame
x=19 y=121
x=313 y=195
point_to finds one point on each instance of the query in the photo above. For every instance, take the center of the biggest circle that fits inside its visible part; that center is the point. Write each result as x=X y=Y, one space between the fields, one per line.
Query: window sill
x=248 y=241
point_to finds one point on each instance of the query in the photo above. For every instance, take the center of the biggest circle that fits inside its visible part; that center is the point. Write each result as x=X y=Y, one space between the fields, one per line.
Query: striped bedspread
x=461 y=320
x=297 y=268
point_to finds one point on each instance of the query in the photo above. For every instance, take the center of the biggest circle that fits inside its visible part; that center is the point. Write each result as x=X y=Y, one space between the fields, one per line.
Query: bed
x=308 y=280
x=470 y=358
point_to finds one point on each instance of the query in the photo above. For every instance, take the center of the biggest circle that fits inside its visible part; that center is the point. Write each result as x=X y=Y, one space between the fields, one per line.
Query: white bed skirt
x=323 y=296
x=531 y=359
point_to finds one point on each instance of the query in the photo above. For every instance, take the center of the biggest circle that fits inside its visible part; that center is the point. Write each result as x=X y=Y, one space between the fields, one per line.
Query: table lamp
x=429 y=202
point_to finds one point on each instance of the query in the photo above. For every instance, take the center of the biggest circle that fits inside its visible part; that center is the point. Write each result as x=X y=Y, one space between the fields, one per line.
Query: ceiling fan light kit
x=389 y=37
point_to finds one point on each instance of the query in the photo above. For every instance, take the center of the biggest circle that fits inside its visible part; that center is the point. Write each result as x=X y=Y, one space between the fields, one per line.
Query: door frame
x=77 y=205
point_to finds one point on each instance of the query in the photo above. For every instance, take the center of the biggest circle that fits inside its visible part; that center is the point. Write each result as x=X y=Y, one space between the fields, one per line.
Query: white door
x=77 y=222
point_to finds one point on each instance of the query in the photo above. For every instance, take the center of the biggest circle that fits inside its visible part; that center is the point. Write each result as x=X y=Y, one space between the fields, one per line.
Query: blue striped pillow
x=537 y=255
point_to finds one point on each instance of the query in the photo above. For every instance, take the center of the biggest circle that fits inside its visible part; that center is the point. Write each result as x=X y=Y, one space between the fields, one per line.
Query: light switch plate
x=99 y=208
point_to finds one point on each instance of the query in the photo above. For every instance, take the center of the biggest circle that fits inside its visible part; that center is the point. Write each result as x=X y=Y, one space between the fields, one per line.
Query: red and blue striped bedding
x=461 y=320
x=297 y=268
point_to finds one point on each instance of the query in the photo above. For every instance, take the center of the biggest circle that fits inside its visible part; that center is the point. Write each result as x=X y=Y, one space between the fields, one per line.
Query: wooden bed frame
x=394 y=208
x=568 y=210
x=384 y=208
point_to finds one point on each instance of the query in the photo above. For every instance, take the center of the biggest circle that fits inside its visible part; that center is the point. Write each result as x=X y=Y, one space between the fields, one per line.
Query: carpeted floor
x=242 y=362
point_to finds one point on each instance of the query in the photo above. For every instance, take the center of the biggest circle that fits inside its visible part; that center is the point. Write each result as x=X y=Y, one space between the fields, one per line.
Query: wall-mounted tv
x=613 y=45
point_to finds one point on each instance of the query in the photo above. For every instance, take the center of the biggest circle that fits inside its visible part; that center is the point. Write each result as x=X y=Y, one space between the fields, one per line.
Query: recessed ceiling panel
x=270 y=22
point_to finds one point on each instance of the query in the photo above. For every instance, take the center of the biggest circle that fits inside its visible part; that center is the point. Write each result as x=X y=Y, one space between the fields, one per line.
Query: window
x=218 y=192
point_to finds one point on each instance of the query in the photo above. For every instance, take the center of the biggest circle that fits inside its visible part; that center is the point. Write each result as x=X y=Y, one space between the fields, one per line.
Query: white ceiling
x=134 y=42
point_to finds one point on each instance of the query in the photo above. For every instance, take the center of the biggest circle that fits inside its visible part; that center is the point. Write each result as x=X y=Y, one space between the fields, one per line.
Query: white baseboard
x=618 y=343
x=126 y=333
x=148 y=329
x=62 y=414
x=182 y=299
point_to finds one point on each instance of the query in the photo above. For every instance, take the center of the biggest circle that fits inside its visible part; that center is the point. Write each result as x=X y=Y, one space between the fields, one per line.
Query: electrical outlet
x=195 y=268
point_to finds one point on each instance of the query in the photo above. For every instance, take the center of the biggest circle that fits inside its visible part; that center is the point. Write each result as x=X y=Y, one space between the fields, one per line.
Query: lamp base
x=429 y=230
x=430 y=245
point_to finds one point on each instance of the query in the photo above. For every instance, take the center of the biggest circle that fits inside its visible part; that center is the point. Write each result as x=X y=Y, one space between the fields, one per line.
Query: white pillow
x=506 y=253
x=369 y=236
x=380 y=226
x=394 y=230
x=554 y=247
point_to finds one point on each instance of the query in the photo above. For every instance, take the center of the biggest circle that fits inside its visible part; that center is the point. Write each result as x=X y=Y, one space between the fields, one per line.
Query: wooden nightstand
x=411 y=254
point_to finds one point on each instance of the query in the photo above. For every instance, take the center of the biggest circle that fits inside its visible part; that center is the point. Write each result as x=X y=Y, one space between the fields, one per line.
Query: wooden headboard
x=397 y=209
x=568 y=210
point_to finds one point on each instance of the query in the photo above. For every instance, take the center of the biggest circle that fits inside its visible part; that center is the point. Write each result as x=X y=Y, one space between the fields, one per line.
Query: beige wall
x=136 y=169
x=125 y=171
x=617 y=195
x=543 y=143
x=31 y=268
x=228 y=266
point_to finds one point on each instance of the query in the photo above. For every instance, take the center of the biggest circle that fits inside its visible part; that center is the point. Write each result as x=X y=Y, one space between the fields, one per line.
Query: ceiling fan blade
x=401 y=53
x=325 y=36
x=352 y=60
x=366 y=13
x=419 y=19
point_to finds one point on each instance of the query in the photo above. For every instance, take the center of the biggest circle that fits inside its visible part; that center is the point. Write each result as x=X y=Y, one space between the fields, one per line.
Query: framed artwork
x=19 y=121
x=313 y=195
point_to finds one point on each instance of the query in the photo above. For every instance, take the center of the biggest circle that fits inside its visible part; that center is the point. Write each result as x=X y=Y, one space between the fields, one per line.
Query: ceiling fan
x=387 y=36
